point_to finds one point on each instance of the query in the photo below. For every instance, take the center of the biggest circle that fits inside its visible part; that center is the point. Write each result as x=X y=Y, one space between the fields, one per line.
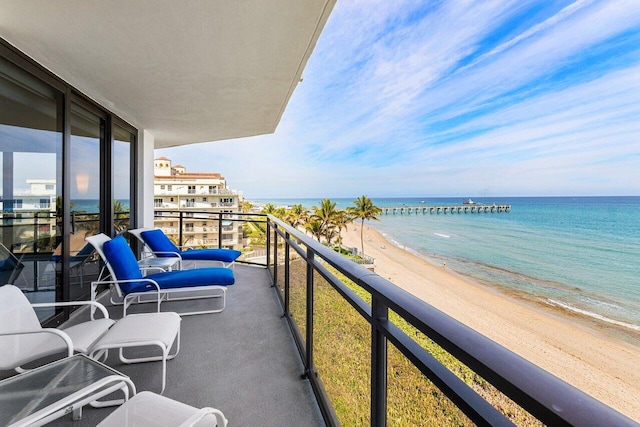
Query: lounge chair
x=130 y=284
x=23 y=340
x=10 y=266
x=81 y=252
x=160 y=246
x=150 y=409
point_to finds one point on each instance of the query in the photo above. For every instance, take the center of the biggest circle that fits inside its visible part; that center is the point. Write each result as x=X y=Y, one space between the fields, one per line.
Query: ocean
x=581 y=254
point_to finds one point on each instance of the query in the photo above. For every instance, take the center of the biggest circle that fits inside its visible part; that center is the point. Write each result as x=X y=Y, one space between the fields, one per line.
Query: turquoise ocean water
x=579 y=253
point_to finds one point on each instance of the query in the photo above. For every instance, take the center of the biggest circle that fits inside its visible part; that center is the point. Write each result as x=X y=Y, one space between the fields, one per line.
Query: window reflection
x=87 y=136
x=31 y=162
x=123 y=141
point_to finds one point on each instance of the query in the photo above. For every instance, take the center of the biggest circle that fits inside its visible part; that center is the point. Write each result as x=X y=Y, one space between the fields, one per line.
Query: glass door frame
x=69 y=96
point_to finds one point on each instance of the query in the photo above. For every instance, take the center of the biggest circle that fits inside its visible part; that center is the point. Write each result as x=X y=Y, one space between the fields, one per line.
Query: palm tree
x=327 y=215
x=364 y=210
x=342 y=219
x=314 y=226
x=245 y=206
x=269 y=209
x=121 y=220
x=297 y=215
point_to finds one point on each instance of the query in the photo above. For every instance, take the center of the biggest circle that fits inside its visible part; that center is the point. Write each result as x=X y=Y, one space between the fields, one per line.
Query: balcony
x=241 y=361
x=368 y=352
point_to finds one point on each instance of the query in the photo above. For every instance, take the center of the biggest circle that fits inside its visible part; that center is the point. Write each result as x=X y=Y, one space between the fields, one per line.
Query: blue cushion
x=159 y=242
x=123 y=262
x=224 y=255
x=195 y=277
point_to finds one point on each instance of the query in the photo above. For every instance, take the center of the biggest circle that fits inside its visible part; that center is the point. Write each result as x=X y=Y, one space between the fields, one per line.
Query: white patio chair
x=24 y=340
x=160 y=246
x=149 y=409
x=127 y=280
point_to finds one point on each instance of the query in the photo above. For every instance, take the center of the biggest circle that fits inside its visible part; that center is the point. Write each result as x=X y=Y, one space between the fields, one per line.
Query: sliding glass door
x=31 y=144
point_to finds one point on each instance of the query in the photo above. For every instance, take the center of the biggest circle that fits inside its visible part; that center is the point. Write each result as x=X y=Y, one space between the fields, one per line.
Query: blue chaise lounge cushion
x=224 y=255
x=121 y=259
x=159 y=242
x=125 y=266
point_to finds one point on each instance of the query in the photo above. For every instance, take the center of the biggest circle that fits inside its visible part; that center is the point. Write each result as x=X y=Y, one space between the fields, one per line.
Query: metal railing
x=217 y=231
x=300 y=268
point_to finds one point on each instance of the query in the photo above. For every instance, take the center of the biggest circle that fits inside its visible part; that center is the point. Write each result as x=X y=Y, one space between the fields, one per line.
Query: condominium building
x=201 y=201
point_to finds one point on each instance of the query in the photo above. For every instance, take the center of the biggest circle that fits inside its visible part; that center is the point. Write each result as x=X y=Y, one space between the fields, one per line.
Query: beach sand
x=571 y=348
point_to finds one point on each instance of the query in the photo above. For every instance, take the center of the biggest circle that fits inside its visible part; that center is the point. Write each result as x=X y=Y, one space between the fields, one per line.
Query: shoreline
x=596 y=357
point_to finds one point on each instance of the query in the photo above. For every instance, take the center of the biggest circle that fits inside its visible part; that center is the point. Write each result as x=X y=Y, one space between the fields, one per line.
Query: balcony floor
x=242 y=361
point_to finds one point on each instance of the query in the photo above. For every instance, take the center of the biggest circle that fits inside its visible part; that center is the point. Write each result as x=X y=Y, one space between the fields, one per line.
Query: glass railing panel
x=279 y=268
x=342 y=354
x=429 y=406
x=298 y=293
x=413 y=400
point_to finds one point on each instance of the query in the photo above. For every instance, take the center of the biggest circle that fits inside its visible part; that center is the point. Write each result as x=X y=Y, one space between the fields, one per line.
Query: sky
x=452 y=98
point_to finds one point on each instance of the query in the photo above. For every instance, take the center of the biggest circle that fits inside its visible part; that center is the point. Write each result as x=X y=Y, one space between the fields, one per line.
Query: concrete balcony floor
x=242 y=361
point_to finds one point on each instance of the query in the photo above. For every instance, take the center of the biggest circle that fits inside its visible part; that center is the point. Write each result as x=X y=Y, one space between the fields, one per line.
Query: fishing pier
x=460 y=209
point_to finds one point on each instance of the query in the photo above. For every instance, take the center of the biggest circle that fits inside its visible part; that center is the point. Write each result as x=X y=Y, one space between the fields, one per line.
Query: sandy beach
x=585 y=356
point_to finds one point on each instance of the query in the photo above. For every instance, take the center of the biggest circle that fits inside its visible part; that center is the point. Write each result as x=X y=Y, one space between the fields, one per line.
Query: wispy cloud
x=455 y=98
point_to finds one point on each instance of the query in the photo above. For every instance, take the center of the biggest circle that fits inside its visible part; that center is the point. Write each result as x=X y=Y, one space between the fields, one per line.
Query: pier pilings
x=445 y=209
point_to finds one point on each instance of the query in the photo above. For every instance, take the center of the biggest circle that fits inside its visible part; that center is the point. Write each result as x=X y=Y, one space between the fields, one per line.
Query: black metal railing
x=188 y=231
x=302 y=269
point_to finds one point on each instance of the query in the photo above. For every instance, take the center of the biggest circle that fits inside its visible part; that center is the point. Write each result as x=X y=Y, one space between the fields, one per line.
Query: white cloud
x=392 y=104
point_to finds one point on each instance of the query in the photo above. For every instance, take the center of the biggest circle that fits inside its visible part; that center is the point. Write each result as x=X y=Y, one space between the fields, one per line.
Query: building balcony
x=241 y=361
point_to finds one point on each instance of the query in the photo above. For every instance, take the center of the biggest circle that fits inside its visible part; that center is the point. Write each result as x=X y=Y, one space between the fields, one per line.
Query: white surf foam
x=593 y=315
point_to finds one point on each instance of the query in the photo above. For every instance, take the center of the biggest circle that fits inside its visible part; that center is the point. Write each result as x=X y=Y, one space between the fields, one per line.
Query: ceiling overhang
x=186 y=71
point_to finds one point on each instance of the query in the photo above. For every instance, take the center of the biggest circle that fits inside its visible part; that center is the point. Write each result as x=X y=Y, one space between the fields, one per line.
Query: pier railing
x=445 y=209
x=369 y=351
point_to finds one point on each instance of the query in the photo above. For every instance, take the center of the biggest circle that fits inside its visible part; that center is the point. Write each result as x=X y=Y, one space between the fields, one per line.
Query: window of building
x=161 y=186
x=45 y=203
x=123 y=142
x=204 y=199
x=157 y=203
x=191 y=189
x=169 y=187
x=188 y=226
x=31 y=124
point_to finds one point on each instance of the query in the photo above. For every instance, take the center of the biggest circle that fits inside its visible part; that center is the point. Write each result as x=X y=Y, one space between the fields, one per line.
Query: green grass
x=342 y=340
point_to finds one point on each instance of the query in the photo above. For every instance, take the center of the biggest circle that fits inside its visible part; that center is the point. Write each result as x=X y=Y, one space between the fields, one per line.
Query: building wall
x=203 y=200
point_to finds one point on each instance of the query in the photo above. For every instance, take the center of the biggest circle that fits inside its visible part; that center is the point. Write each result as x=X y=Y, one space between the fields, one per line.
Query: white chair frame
x=137 y=233
x=157 y=295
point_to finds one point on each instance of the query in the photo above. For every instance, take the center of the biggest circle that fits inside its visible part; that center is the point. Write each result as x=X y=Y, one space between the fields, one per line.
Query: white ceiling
x=187 y=71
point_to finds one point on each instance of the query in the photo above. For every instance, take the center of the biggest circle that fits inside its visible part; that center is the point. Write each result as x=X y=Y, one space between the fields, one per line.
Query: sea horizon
x=576 y=253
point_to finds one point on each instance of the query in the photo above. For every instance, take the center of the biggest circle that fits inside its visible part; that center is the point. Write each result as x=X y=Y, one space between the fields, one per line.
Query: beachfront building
x=195 y=195
x=31 y=211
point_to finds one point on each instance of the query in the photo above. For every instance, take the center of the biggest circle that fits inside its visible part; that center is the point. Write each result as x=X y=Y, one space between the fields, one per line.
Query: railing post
x=268 y=245
x=379 y=314
x=286 y=273
x=219 y=230
x=309 y=337
x=180 y=229
x=35 y=233
x=275 y=255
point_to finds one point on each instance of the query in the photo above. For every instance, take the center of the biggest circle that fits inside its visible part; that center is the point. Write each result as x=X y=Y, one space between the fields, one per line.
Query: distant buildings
x=201 y=197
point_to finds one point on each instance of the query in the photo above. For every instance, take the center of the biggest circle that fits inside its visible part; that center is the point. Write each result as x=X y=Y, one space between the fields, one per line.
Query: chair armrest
x=117 y=282
x=173 y=254
x=63 y=335
x=96 y=304
x=221 y=421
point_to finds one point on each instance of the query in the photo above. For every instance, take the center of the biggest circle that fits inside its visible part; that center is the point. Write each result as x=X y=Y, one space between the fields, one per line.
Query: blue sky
x=453 y=98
